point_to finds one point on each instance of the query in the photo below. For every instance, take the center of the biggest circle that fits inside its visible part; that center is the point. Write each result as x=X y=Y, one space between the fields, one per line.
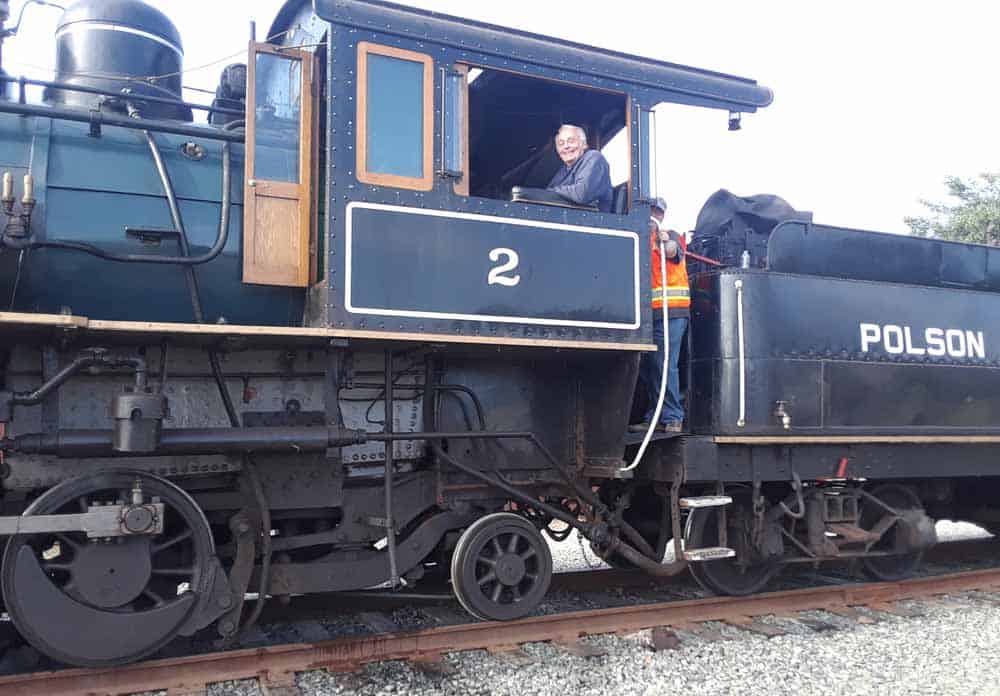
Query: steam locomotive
x=340 y=337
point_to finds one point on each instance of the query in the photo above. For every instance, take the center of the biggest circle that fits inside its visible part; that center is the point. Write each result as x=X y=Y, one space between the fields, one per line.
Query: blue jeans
x=651 y=371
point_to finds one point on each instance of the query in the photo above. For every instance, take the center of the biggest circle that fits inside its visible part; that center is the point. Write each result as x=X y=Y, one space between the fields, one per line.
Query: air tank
x=120 y=46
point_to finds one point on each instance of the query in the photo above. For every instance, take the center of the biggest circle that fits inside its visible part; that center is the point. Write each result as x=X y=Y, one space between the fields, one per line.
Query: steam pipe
x=175 y=215
x=190 y=441
x=81 y=363
x=660 y=570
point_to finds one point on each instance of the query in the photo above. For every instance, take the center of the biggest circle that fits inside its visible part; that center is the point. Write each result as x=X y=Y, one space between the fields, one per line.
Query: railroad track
x=276 y=666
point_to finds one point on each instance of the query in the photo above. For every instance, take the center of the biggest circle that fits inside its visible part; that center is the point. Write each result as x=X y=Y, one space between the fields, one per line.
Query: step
x=705 y=501
x=709 y=553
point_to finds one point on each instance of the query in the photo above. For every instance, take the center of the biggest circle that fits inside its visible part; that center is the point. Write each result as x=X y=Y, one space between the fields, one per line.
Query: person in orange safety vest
x=678 y=314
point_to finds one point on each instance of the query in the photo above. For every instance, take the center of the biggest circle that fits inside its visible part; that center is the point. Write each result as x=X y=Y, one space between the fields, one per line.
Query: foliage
x=974 y=217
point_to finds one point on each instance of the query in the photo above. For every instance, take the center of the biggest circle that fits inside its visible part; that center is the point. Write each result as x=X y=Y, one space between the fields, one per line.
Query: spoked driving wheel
x=897 y=566
x=501 y=568
x=103 y=602
x=742 y=575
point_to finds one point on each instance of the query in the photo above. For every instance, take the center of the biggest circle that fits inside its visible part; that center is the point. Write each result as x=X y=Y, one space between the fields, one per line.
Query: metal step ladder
x=710 y=553
x=705 y=501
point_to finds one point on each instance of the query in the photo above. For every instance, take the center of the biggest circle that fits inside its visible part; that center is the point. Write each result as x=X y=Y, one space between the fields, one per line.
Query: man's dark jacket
x=586 y=182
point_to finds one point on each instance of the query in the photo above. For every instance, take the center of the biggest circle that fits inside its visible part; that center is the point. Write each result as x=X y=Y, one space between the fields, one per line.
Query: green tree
x=973 y=216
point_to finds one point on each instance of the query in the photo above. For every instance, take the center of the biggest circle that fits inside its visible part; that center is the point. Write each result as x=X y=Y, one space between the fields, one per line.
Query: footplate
x=705 y=501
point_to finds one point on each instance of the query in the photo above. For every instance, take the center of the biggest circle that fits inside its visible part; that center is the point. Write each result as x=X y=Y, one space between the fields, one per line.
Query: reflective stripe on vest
x=677 y=297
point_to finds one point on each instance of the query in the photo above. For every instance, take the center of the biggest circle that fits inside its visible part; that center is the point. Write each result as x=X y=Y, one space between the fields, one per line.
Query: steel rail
x=277 y=666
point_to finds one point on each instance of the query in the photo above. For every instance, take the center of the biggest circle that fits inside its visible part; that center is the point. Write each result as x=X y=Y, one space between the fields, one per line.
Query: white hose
x=666 y=363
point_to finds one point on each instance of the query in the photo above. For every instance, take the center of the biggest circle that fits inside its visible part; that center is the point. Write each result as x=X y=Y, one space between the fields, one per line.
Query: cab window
x=512 y=123
x=395 y=124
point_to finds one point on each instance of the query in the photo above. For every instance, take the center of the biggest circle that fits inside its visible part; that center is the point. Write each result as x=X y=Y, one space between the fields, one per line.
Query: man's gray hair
x=576 y=129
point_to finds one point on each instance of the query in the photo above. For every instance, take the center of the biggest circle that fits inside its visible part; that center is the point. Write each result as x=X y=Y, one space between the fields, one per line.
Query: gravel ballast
x=950 y=649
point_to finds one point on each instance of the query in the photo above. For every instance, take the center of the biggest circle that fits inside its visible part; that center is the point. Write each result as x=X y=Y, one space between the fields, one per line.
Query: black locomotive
x=338 y=339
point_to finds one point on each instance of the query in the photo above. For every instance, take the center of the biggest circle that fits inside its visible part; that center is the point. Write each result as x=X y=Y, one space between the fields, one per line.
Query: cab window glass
x=395 y=125
x=277 y=118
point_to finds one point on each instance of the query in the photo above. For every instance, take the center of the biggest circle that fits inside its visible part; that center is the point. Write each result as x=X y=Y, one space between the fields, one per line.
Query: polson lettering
x=933 y=342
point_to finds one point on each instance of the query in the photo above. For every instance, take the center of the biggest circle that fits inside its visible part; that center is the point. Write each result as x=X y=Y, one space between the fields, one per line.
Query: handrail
x=70 y=87
x=98 y=118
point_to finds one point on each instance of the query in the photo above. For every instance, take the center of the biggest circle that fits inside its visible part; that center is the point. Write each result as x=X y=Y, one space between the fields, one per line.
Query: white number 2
x=496 y=276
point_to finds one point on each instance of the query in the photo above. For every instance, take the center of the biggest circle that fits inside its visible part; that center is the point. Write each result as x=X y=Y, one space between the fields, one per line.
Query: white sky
x=875 y=101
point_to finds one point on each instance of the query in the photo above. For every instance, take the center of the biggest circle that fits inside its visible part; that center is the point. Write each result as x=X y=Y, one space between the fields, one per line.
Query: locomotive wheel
x=501 y=568
x=726 y=576
x=889 y=568
x=106 y=602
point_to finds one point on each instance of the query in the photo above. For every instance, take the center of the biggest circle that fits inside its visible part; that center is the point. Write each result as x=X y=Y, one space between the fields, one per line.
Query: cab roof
x=662 y=80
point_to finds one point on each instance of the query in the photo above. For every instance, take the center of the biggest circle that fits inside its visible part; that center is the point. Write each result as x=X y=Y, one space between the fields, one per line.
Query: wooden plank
x=226 y=330
x=271 y=251
x=47 y=320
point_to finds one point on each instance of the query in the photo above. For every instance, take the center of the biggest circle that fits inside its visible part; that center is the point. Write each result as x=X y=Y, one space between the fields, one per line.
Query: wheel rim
x=501 y=568
x=145 y=585
x=726 y=576
x=899 y=566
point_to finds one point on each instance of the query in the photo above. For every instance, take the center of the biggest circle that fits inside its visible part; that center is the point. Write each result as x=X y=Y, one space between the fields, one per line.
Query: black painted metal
x=43 y=604
x=810 y=342
x=360 y=569
x=119 y=45
x=98 y=443
x=618 y=78
x=702 y=460
x=796 y=247
x=405 y=262
x=674 y=82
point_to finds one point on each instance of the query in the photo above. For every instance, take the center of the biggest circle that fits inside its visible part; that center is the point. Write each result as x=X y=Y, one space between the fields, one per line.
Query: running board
x=705 y=501
x=709 y=553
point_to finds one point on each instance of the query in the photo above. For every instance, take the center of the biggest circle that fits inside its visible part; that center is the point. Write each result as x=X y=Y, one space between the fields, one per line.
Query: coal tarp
x=729 y=224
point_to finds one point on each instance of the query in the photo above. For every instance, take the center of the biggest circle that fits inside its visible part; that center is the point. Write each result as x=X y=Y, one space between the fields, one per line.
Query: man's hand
x=671 y=247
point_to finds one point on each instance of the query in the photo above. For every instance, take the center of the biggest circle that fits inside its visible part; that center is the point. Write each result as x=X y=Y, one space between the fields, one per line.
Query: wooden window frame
x=422 y=183
x=304 y=191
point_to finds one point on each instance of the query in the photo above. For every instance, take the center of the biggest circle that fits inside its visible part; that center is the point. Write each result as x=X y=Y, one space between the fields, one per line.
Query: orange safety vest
x=678 y=288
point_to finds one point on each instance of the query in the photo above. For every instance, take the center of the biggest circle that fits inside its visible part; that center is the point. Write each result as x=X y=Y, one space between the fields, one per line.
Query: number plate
x=415 y=263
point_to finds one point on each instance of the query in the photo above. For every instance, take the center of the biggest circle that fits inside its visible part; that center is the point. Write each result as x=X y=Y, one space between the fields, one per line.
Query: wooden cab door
x=279 y=224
